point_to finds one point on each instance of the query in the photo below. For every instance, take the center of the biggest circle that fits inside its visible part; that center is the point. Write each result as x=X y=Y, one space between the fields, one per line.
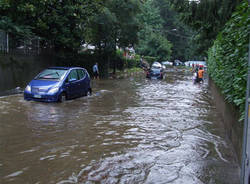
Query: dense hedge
x=150 y=59
x=125 y=62
x=227 y=59
x=87 y=60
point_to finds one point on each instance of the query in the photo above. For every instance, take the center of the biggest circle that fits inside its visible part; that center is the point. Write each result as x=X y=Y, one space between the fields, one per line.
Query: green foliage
x=156 y=46
x=115 y=25
x=227 y=59
x=207 y=17
x=123 y=62
x=179 y=34
x=10 y=27
x=150 y=59
x=152 y=42
x=131 y=63
x=85 y=60
x=61 y=23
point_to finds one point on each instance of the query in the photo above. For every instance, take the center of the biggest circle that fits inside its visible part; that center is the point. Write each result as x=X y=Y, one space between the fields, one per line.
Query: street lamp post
x=245 y=166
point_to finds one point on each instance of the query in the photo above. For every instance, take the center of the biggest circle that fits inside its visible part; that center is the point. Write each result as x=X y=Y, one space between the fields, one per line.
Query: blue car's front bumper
x=41 y=98
x=155 y=76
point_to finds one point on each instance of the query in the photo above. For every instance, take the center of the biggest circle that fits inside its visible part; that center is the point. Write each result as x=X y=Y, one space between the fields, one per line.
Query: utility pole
x=245 y=166
x=7 y=42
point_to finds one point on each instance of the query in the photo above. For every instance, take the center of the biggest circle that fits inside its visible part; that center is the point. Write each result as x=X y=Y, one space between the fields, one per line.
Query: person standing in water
x=200 y=75
x=96 y=71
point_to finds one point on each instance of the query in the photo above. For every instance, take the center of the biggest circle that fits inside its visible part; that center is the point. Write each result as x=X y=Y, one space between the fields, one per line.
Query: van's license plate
x=37 y=96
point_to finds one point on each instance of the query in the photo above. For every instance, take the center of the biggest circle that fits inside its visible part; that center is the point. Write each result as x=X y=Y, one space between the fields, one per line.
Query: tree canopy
x=179 y=34
x=62 y=23
x=152 y=41
x=228 y=58
x=153 y=27
x=115 y=25
x=207 y=17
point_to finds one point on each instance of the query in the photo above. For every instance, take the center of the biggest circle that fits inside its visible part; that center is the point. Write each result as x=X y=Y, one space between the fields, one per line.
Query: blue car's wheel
x=62 y=97
x=89 y=93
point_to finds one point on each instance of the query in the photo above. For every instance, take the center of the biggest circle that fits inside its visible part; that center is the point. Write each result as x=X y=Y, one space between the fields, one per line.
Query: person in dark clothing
x=96 y=71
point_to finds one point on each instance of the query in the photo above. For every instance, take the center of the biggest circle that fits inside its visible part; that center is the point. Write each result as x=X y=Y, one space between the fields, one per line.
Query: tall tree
x=116 y=25
x=207 y=17
x=61 y=22
x=152 y=41
x=179 y=34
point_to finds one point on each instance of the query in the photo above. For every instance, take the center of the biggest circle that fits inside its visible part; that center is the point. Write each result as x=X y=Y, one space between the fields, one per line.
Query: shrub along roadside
x=227 y=59
x=87 y=60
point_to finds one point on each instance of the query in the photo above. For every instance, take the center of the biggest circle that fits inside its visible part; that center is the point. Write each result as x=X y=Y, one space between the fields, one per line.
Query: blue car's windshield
x=155 y=70
x=52 y=74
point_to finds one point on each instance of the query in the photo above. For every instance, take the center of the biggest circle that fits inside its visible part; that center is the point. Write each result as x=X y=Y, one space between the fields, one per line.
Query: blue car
x=56 y=84
x=155 y=73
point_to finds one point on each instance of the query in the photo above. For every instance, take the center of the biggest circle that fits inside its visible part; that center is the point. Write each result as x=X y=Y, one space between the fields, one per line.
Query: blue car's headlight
x=53 y=90
x=28 y=88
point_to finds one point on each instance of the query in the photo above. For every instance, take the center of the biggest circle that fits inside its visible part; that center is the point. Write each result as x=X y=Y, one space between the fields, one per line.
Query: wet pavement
x=130 y=131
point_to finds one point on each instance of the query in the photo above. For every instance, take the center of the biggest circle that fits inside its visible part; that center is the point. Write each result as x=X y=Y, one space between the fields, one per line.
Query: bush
x=131 y=63
x=227 y=59
x=85 y=60
x=150 y=59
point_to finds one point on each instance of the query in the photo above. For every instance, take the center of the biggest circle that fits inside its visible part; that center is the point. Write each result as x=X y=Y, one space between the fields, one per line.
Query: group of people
x=198 y=73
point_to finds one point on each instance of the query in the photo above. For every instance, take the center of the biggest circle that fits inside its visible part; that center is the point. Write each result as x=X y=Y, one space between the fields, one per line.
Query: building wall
x=18 y=70
x=230 y=115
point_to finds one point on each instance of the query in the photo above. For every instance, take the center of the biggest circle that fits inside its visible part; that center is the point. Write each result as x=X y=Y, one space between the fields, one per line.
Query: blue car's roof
x=62 y=68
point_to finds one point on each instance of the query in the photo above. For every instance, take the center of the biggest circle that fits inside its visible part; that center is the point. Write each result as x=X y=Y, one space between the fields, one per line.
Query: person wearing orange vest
x=200 y=75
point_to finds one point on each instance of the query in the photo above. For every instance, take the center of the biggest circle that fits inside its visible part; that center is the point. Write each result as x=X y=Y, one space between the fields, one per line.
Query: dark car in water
x=56 y=84
x=155 y=73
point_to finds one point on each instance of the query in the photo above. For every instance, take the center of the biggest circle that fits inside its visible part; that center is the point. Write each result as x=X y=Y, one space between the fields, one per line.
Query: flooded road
x=130 y=131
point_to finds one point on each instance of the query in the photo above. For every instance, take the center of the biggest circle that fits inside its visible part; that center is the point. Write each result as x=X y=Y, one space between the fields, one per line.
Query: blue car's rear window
x=52 y=74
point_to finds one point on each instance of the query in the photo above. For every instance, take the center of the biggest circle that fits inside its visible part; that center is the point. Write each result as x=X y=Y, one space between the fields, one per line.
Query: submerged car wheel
x=62 y=97
x=89 y=93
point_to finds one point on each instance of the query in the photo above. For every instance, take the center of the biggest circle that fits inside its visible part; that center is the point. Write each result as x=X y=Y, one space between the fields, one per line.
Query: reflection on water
x=130 y=131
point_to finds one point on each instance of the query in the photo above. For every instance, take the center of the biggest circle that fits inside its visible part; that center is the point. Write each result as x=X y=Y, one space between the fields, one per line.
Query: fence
x=11 y=44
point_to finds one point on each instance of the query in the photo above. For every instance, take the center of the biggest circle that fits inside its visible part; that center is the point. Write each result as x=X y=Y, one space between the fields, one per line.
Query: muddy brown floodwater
x=130 y=131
